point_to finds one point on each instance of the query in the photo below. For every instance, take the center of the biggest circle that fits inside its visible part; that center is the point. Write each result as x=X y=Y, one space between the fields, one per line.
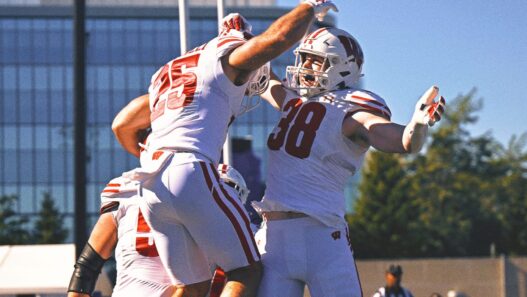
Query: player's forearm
x=127 y=124
x=414 y=137
x=87 y=269
x=289 y=29
x=275 y=92
x=128 y=140
x=278 y=38
x=103 y=237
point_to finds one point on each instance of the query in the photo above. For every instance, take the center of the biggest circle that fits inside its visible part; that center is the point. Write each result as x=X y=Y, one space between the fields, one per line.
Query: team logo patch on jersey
x=157 y=155
x=335 y=235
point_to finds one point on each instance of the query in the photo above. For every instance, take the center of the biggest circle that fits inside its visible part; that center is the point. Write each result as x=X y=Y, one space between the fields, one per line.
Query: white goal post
x=183 y=34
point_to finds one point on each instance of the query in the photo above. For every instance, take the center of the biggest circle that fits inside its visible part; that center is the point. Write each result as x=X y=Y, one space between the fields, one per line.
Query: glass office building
x=126 y=43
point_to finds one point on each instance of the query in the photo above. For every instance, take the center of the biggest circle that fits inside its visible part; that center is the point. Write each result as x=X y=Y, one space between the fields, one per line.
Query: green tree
x=511 y=193
x=384 y=222
x=48 y=228
x=453 y=184
x=446 y=201
x=12 y=225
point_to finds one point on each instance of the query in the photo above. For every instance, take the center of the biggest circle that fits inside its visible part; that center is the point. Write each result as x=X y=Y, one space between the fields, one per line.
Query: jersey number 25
x=177 y=82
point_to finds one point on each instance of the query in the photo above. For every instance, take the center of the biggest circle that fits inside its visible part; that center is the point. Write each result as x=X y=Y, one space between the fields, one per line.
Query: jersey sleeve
x=363 y=100
x=118 y=191
x=228 y=42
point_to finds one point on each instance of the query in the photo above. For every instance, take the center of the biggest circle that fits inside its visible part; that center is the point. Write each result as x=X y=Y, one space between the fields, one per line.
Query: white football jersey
x=193 y=102
x=310 y=160
x=139 y=268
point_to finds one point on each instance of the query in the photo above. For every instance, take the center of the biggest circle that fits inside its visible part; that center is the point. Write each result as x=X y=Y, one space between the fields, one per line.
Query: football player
x=326 y=128
x=191 y=102
x=122 y=227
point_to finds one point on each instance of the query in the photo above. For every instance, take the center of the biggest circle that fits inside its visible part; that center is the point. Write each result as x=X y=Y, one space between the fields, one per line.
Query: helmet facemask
x=299 y=77
x=232 y=178
x=341 y=67
x=255 y=87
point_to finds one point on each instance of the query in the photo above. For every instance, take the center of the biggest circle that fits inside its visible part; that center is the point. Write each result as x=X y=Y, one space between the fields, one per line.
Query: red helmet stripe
x=317 y=32
x=310 y=37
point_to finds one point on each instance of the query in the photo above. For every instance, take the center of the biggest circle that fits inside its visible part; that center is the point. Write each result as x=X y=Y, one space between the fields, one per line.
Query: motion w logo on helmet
x=352 y=49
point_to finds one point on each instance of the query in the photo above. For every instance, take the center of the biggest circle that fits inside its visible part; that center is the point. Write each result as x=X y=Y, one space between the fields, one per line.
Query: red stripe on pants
x=228 y=213
x=238 y=208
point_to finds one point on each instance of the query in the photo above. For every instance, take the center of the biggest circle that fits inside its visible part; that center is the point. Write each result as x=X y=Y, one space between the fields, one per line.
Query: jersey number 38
x=298 y=128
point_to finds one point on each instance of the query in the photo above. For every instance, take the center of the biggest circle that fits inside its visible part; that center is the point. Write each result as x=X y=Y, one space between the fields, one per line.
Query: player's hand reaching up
x=321 y=7
x=235 y=21
x=427 y=110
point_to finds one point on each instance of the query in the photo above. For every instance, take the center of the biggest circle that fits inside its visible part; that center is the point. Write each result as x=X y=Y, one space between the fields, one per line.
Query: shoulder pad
x=197 y=49
x=228 y=42
x=118 y=186
x=117 y=189
x=369 y=101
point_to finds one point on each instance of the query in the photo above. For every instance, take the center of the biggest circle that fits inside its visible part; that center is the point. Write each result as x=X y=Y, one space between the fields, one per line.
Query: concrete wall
x=475 y=277
x=516 y=277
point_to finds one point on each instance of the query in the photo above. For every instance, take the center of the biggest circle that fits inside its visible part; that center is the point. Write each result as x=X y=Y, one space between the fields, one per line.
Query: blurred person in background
x=393 y=286
x=454 y=293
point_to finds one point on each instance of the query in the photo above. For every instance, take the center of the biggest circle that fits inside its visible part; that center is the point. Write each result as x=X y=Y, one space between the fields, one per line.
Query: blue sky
x=458 y=45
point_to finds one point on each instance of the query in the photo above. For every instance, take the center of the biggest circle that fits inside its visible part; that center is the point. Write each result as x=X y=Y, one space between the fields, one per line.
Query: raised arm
x=278 y=38
x=130 y=121
x=371 y=129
